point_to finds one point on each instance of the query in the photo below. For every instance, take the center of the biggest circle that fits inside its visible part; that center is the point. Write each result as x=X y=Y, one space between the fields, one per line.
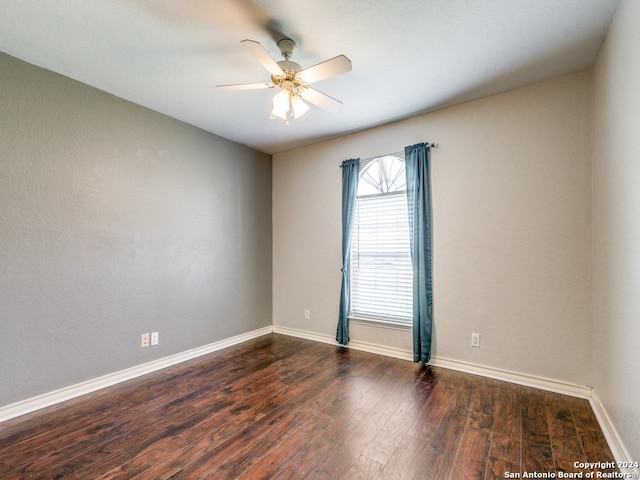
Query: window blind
x=381 y=272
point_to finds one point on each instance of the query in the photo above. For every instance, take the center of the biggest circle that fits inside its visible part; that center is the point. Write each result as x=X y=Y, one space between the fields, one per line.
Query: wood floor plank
x=505 y=452
x=508 y=413
x=440 y=454
x=473 y=451
x=279 y=407
x=293 y=454
x=538 y=458
x=384 y=442
x=535 y=426
x=537 y=453
x=364 y=469
x=565 y=442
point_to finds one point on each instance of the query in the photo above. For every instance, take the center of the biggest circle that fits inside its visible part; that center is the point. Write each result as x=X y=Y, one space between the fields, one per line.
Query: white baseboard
x=620 y=453
x=293 y=332
x=542 y=383
x=67 y=393
x=354 y=344
x=382 y=350
x=525 y=379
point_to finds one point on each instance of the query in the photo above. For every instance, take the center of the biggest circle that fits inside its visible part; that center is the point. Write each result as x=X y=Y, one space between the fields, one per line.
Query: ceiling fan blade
x=260 y=53
x=321 y=100
x=326 y=69
x=245 y=86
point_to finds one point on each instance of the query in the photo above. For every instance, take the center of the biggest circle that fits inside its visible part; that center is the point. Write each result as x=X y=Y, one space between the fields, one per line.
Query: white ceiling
x=409 y=56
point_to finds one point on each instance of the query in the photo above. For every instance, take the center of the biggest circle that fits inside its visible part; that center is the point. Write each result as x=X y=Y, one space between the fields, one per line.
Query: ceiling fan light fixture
x=287 y=104
x=298 y=107
x=280 y=104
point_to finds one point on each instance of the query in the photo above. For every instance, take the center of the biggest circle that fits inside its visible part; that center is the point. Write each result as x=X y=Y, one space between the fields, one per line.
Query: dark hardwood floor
x=284 y=408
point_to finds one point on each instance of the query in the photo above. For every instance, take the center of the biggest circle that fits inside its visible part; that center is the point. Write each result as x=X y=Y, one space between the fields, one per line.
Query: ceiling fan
x=293 y=81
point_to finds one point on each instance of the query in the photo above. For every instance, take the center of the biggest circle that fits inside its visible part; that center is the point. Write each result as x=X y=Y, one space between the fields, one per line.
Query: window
x=380 y=268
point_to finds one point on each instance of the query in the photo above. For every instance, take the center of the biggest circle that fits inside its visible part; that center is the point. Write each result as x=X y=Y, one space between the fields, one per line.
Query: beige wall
x=115 y=221
x=616 y=225
x=512 y=226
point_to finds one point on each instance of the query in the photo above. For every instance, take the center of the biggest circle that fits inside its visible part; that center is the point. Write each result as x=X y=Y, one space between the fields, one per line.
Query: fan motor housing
x=290 y=80
x=289 y=65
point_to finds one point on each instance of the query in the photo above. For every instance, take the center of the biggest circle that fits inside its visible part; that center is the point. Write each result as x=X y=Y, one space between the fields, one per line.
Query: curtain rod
x=429 y=144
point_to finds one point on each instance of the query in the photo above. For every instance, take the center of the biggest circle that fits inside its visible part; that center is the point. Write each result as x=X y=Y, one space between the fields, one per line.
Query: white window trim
x=380 y=322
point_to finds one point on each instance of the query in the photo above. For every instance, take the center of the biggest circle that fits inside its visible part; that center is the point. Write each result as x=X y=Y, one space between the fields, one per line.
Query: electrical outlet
x=144 y=340
x=475 y=340
x=307 y=315
x=154 y=338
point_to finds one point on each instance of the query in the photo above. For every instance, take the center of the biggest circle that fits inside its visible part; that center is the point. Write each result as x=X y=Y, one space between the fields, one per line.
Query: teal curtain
x=350 y=175
x=417 y=170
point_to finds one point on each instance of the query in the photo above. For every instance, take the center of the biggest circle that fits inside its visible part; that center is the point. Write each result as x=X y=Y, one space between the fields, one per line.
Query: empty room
x=246 y=239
